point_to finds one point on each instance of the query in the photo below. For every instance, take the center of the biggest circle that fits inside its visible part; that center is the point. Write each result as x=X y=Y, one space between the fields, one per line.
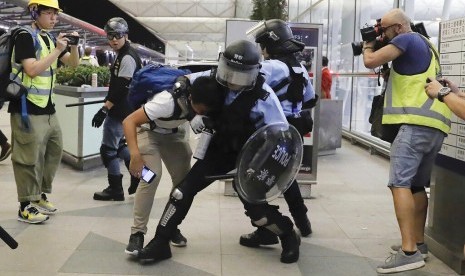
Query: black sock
x=43 y=196
x=24 y=204
x=409 y=253
x=420 y=243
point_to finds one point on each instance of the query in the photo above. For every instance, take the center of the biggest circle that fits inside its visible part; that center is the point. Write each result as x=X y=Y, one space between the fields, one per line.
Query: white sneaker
x=45 y=207
x=30 y=214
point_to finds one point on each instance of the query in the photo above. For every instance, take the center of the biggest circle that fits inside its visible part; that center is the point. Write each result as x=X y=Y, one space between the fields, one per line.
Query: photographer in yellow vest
x=36 y=134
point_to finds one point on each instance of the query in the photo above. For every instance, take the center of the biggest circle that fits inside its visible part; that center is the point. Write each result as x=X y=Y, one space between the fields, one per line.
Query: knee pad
x=274 y=222
x=177 y=194
x=257 y=211
x=121 y=147
x=107 y=154
x=173 y=205
x=417 y=189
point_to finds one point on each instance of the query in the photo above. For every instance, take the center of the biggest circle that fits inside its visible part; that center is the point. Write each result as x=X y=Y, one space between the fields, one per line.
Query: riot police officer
x=249 y=105
x=289 y=79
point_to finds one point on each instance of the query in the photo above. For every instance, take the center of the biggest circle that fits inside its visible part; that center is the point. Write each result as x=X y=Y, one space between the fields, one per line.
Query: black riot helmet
x=116 y=25
x=239 y=66
x=276 y=36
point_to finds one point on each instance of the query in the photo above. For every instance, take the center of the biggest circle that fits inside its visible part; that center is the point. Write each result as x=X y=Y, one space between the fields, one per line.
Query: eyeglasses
x=49 y=13
x=112 y=36
x=386 y=28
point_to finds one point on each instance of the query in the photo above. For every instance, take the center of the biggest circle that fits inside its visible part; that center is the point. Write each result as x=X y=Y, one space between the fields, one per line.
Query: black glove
x=310 y=103
x=99 y=117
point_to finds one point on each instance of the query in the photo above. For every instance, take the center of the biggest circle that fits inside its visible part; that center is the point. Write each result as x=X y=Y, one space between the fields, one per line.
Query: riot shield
x=268 y=163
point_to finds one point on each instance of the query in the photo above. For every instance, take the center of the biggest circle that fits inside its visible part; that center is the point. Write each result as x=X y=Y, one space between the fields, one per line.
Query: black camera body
x=372 y=33
x=369 y=33
x=73 y=39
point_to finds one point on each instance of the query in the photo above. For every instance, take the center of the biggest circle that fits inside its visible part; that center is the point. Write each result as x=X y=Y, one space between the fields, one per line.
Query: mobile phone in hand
x=147 y=175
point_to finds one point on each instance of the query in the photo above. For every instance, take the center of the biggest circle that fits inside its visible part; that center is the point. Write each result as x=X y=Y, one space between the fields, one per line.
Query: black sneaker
x=156 y=250
x=178 y=239
x=261 y=236
x=136 y=243
x=304 y=225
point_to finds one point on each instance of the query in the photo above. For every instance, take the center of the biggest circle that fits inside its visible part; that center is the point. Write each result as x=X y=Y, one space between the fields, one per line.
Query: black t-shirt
x=24 y=49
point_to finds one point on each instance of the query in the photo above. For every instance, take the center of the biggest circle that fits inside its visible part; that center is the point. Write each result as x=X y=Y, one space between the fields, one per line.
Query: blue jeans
x=412 y=156
x=114 y=145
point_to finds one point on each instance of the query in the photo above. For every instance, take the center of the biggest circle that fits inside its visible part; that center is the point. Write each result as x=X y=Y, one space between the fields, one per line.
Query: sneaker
x=6 y=151
x=136 y=243
x=44 y=206
x=400 y=262
x=30 y=214
x=423 y=248
x=178 y=239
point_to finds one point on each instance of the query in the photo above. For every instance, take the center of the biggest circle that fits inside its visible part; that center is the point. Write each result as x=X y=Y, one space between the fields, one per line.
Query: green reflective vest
x=407 y=102
x=40 y=88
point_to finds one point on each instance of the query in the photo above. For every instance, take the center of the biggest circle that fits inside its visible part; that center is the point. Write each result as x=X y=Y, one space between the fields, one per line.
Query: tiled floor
x=350 y=209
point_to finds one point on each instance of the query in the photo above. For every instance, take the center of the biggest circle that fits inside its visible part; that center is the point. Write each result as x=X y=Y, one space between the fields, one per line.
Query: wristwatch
x=444 y=91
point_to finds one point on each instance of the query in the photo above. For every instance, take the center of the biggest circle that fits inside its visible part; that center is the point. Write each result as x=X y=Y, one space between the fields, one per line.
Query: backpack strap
x=435 y=53
x=34 y=34
x=180 y=107
x=295 y=81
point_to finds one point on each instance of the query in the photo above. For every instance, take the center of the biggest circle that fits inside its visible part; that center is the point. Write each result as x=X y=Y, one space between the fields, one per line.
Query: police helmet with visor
x=239 y=66
x=116 y=27
x=276 y=36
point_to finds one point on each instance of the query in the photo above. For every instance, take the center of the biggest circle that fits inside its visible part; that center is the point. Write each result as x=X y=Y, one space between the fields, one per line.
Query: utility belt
x=160 y=130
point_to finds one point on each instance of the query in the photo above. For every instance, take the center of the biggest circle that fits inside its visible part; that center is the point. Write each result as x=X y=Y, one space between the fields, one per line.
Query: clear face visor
x=259 y=32
x=237 y=77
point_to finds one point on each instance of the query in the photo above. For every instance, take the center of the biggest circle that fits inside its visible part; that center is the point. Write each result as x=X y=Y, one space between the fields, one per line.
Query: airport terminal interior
x=350 y=207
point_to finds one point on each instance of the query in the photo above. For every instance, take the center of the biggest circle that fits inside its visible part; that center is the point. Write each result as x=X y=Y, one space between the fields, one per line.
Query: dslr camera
x=73 y=39
x=369 y=33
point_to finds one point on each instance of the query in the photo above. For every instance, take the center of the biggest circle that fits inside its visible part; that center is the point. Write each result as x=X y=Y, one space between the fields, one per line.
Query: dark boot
x=261 y=236
x=114 y=191
x=156 y=250
x=290 y=243
x=304 y=225
x=134 y=184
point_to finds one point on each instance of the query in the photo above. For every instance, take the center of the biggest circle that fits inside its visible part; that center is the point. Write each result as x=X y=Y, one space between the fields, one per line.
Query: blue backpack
x=152 y=79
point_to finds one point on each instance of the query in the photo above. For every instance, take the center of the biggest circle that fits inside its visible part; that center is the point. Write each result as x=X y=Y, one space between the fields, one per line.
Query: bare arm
x=455 y=101
x=33 y=67
x=384 y=55
x=130 y=124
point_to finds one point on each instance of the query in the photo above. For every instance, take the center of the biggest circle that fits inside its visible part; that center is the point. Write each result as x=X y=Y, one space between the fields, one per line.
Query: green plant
x=269 y=9
x=82 y=74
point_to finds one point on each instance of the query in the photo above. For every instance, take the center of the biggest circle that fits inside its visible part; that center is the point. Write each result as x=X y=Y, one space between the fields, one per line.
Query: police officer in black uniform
x=249 y=105
x=115 y=109
x=289 y=79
